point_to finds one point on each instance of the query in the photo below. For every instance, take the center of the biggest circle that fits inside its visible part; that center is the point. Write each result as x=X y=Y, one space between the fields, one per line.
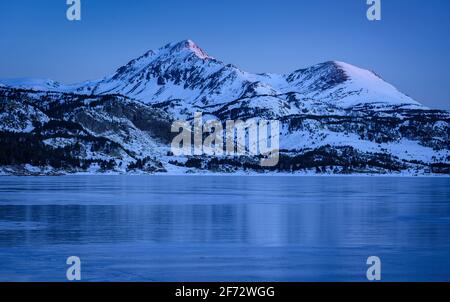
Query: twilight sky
x=409 y=47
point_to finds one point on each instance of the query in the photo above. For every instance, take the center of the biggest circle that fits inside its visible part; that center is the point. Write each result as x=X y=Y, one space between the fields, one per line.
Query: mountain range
x=336 y=119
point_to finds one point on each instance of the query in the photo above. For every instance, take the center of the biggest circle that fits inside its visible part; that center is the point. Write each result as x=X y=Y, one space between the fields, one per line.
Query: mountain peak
x=190 y=46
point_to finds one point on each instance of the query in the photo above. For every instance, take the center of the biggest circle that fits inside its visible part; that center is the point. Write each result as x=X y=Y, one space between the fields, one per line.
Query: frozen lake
x=202 y=228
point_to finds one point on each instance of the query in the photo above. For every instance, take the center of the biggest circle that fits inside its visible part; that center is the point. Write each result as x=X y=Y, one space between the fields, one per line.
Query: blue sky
x=410 y=47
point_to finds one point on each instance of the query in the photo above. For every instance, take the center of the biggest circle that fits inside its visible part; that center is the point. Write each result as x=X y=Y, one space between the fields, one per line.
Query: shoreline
x=211 y=174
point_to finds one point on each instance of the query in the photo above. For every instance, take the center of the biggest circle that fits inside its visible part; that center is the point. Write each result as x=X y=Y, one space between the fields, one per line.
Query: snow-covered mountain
x=335 y=117
x=183 y=71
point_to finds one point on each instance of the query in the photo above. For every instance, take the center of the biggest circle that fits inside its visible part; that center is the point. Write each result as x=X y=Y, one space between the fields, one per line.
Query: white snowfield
x=33 y=84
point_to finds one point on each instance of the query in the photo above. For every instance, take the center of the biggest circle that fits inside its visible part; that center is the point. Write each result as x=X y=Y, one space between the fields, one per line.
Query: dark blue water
x=198 y=228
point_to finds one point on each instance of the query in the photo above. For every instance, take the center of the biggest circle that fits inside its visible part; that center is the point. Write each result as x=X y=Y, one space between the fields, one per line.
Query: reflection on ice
x=161 y=228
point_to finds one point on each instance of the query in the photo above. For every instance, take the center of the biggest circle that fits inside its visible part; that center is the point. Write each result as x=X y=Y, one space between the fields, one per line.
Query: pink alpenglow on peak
x=190 y=46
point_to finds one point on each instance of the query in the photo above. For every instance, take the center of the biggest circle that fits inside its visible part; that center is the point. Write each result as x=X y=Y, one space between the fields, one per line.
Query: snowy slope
x=345 y=86
x=34 y=84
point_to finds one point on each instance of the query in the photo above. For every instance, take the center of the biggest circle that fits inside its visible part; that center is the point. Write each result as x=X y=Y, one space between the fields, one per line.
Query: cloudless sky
x=409 y=47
